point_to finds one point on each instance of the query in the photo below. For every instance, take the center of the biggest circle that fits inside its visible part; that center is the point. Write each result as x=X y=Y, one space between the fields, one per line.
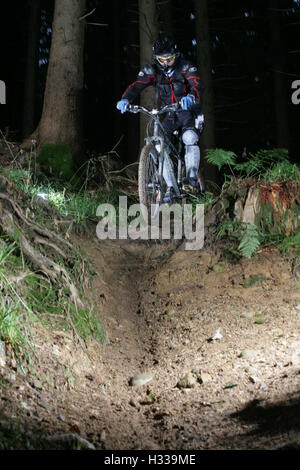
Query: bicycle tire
x=144 y=194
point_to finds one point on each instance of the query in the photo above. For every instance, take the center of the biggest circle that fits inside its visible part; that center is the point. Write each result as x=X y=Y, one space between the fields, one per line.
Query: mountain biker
x=175 y=80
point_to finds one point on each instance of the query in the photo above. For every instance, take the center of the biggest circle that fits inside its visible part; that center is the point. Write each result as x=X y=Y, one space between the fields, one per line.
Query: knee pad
x=190 y=137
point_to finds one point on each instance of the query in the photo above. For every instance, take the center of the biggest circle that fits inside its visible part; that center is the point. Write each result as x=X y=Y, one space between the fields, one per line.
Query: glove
x=187 y=101
x=123 y=105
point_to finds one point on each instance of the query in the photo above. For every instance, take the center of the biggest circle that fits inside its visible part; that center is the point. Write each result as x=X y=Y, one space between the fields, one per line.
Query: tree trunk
x=166 y=18
x=204 y=64
x=280 y=85
x=62 y=109
x=116 y=42
x=148 y=33
x=31 y=69
x=133 y=127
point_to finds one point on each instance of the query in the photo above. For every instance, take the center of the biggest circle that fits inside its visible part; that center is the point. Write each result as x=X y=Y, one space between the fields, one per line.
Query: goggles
x=166 y=59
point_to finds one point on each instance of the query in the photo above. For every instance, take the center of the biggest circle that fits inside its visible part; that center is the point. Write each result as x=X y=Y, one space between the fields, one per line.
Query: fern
x=220 y=157
x=250 y=241
x=262 y=161
x=229 y=228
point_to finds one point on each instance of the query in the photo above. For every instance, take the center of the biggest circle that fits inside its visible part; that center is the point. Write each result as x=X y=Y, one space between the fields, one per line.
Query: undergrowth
x=28 y=298
x=80 y=205
x=267 y=167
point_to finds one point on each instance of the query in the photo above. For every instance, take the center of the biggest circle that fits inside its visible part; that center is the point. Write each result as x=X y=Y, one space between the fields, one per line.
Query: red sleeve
x=194 y=82
x=145 y=78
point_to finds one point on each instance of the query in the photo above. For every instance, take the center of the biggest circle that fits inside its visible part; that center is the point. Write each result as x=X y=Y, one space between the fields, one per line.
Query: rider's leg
x=190 y=139
x=170 y=124
x=192 y=154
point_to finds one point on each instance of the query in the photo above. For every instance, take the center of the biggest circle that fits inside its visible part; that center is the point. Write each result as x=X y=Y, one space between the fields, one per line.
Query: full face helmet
x=165 y=53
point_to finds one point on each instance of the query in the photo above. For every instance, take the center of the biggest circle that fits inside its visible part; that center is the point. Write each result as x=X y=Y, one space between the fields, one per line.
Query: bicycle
x=154 y=157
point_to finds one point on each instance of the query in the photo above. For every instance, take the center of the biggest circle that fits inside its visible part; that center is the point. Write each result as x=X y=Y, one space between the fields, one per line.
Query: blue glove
x=187 y=101
x=123 y=105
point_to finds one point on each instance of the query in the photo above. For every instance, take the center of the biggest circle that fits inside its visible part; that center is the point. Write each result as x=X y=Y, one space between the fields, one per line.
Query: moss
x=58 y=160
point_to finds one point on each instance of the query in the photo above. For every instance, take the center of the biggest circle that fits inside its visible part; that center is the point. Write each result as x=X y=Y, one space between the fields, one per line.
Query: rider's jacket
x=184 y=80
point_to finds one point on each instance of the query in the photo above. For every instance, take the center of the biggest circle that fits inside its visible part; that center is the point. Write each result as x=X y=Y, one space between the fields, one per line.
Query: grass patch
x=282 y=171
x=28 y=298
x=87 y=325
x=15 y=329
x=254 y=280
x=292 y=244
x=80 y=205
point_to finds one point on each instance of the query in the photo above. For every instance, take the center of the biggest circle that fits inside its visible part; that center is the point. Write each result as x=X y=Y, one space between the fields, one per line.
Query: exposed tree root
x=38 y=244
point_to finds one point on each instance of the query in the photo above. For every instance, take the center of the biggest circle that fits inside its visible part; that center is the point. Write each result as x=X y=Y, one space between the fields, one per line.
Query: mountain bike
x=159 y=153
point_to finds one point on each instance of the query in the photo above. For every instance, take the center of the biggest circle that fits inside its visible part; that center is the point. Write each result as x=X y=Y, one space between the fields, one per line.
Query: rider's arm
x=195 y=85
x=145 y=78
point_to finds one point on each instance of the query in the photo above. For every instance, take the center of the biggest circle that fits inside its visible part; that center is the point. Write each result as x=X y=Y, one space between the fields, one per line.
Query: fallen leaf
x=230 y=385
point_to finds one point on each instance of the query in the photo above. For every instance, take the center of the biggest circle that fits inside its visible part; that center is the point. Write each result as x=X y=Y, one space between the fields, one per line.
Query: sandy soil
x=161 y=307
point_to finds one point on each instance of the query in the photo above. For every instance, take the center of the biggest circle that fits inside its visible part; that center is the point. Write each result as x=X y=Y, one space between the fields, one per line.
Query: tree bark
x=116 y=42
x=61 y=120
x=208 y=139
x=133 y=125
x=30 y=89
x=280 y=86
x=148 y=33
x=166 y=17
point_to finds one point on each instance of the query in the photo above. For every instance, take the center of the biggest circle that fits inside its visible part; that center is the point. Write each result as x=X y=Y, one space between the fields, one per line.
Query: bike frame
x=159 y=138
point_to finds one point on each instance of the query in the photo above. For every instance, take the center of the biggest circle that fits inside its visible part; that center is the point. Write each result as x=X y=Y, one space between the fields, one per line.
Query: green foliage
x=270 y=166
x=282 y=171
x=229 y=228
x=254 y=280
x=81 y=205
x=292 y=244
x=27 y=297
x=207 y=199
x=260 y=162
x=87 y=325
x=14 y=311
x=220 y=157
x=245 y=235
x=19 y=177
x=250 y=241
x=58 y=160
x=13 y=329
x=267 y=165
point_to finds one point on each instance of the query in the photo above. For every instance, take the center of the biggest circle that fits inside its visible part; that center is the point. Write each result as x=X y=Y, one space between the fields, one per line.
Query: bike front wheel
x=150 y=190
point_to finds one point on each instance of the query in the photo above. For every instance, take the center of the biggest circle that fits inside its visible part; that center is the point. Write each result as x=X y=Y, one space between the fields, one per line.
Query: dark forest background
x=253 y=43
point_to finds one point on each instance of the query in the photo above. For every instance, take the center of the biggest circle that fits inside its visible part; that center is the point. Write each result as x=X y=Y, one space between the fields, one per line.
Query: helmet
x=165 y=52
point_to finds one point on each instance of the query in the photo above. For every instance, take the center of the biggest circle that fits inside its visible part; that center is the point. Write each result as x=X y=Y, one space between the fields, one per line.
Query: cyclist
x=175 y=80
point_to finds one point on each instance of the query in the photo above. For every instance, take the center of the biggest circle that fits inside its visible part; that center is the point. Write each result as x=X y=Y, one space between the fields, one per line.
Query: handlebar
x=153 y=112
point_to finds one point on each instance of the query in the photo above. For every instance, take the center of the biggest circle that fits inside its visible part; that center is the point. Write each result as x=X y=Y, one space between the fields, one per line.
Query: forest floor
x=161 y=307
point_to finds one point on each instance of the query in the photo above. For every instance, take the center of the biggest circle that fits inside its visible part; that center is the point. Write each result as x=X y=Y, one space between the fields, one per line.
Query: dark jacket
x=184 y=80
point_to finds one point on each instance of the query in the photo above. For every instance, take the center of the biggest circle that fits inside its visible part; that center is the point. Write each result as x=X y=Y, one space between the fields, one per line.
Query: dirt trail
x=160 y=306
